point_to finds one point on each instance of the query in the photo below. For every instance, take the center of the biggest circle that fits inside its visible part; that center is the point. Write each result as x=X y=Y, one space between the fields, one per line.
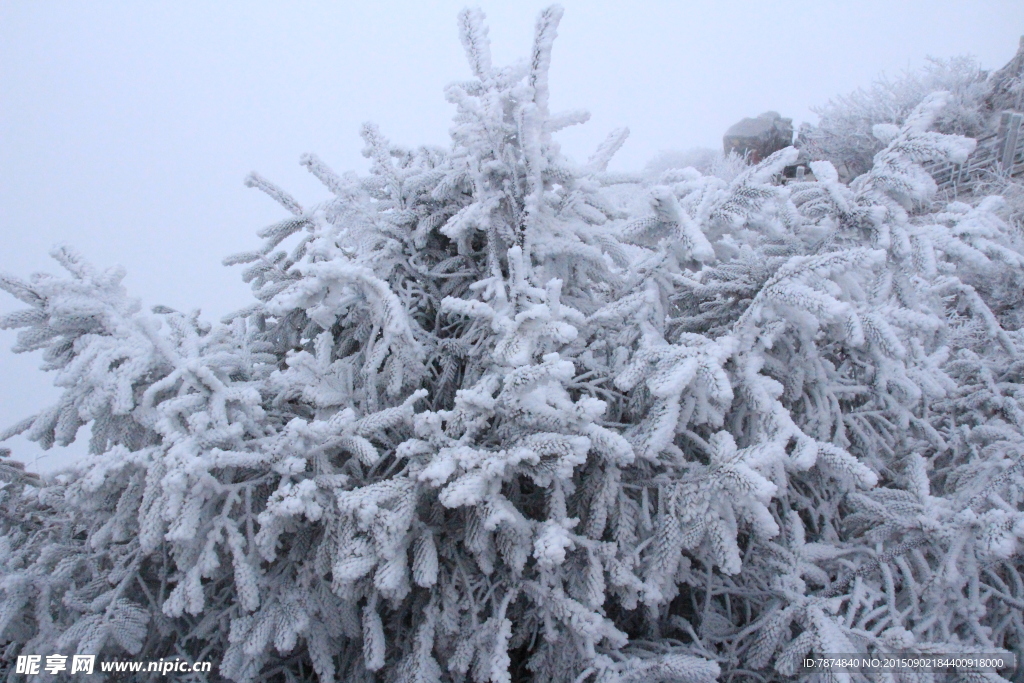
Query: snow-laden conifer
x=487 y=421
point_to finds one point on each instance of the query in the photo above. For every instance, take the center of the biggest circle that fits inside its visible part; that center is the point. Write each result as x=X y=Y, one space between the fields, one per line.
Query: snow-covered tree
x=843 y=133
x=487 y=420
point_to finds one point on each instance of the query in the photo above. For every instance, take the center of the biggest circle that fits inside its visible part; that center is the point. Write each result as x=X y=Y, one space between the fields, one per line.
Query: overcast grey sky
x=126 y=128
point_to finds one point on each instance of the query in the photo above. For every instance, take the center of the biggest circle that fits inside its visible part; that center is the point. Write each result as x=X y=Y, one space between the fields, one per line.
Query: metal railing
x=1001 y=153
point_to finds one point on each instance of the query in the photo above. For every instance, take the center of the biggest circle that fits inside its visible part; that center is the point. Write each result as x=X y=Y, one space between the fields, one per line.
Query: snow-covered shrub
x=487 y=421
x=710 y=162
x=844 y=131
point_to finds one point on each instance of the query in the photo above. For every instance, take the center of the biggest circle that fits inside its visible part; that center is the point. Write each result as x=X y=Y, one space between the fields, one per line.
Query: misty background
x=126 y=128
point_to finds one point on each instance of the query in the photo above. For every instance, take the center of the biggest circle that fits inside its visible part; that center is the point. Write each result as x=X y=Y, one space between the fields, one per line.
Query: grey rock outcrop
x=759 y=137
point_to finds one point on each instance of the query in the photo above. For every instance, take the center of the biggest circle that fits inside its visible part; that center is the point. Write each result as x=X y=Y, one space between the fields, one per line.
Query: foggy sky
x=126 y=128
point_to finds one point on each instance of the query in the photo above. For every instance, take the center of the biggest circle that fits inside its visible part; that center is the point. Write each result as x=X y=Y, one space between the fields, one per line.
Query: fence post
x=1000 y=143
x=1010 y=145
